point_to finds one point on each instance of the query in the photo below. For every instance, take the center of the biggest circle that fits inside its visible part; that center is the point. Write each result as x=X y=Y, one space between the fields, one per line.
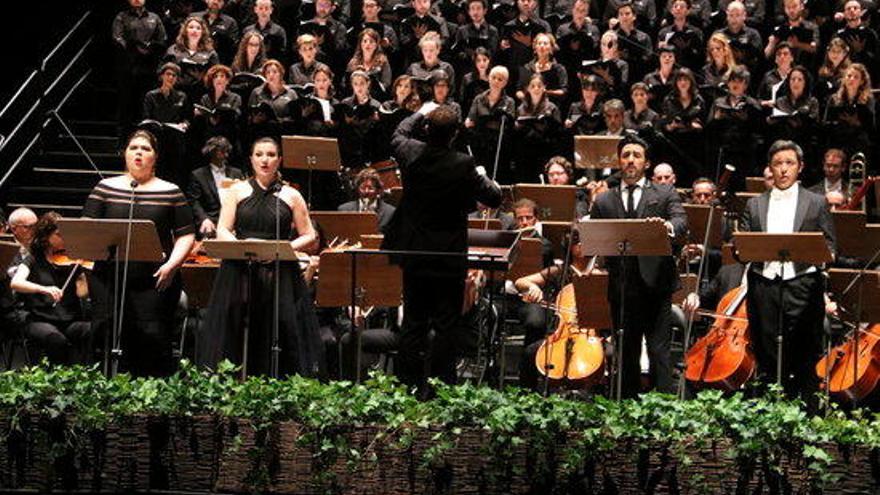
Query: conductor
x=440 y=187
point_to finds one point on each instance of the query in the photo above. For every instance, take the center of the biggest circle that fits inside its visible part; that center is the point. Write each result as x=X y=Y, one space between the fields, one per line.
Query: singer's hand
x=164 y=275
x=53 y=292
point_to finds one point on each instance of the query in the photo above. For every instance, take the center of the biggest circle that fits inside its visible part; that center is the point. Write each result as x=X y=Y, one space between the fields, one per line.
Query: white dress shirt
x=637 y=194
x=219 y=174
x=833 y=186
x=780 y=220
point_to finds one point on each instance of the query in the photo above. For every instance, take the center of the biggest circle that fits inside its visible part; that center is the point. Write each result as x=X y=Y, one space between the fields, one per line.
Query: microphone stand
x=116 y=352
x=276 y=312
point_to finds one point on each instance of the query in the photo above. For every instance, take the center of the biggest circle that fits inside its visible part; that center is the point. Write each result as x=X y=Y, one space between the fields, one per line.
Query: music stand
x=8 y=250
x=798 y=247
x=755 y=185
x=698 y=218
x=627 y=237
x=252 y=250
x=358 y=280
x=346 y=225
x=596 y=153
x=104 y=239
x=311 y=154
x=555 y=203
x=555 y=232
x=851 y=229
x=529 y=260
x=484 y=223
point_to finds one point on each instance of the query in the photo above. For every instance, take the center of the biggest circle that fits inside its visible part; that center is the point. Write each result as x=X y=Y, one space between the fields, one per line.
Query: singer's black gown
x=224 y=326
x=149 y=314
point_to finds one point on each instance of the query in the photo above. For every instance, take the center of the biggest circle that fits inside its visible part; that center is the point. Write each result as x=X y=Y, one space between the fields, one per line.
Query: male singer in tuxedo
x=649 y=280
x=440 y=187
x=205 y=183
x=786 y=208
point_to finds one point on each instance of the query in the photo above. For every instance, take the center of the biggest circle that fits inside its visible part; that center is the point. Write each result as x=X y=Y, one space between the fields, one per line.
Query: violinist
x=22 y=222
x=52 y=287
x=205 y=184
x=525 y=212
x=787 y=208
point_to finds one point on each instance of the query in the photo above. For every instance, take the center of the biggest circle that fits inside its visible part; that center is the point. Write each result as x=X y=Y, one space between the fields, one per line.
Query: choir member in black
x=329 y=33
x=153 y=288
x=300 y=73
x=139 y=38
x=271 y=105
x=552 y=72
x=263 y=207
x=223 y=28
x=755 y=10
x=802 y=35
x=578 y=40
x=369 y=197
x=649 y=280
x=745 y=41
x=319 y=110
x=518 y=34
x=357 y=144
x=681 y=119
x=219 y=108
x=617 y=79
x=585 y=116
x=559 y=172
x=250 y=55
x=687 y=39
x=167 y=114
x=640 y=116
x=430 y=46
x=205 y=183
x=849 y=117
x=274 y=36
x=489 y=110
x=635 y=46
x=476 y=34
x=646 y=10
x=193 y=51
x=370 y=58
x=537 y=129
x=388 y=41
x=48 y=284
x=403 y=103
x=477 y=80
x=414 y=28
x=440 y=88
x=440 y=187
x=862 y=40
x=787 y=208
x=659 y=82
x=773 y=84
x=733 y=128
x=719 y=63
x=832 y=69
x=795 y=114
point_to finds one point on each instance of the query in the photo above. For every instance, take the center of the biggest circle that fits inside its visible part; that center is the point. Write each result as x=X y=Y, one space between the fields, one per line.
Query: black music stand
x=254 y=251
x=798 y=247
x=106 y=239
x=627 y=237
x=346 y=281
x=310 y=154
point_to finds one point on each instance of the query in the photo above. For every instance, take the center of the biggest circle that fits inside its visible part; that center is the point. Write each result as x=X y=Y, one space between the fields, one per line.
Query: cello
x=723 y=358
x=849 y=375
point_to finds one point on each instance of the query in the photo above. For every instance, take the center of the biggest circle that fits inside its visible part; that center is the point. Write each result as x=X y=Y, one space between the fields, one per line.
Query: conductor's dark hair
x=630 y=138
x=785 y=145
x=442 y=126
x=216 y=145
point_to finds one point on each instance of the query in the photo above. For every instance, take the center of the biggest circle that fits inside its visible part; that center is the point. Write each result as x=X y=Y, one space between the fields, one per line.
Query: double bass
x=723 y=358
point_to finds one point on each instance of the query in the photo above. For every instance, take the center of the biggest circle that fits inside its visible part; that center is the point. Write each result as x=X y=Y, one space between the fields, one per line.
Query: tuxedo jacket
x=384 y=211
x=658 y=273
x=812 y=215
x=440 y=187
x=203 y=195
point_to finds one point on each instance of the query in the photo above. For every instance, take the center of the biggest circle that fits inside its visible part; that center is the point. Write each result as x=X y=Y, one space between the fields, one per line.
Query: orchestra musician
x=787 y=207
x=254 y=209
x=49 y=290
x=650 y=280
x=440 y=187
x=369 y=197
x=153 y=289
x=206 y=182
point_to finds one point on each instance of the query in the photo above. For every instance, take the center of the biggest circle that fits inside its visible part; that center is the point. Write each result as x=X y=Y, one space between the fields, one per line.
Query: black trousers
x=63 y=342
x=430 y=303
x=802 y=324
x=648 y=314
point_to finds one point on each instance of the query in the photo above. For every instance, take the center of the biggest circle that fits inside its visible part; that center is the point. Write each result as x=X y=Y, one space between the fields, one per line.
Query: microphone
x=133 y=184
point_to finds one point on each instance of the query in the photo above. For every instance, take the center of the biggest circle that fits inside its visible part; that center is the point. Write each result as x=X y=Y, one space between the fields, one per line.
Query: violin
x=723 y=358
x=571 y=353
x=60 y=258
x=848 y=375
x=197 y=256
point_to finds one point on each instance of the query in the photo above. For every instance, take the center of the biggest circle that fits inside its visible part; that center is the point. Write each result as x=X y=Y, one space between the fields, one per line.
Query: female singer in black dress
x=153 y=289
x=249 y=212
